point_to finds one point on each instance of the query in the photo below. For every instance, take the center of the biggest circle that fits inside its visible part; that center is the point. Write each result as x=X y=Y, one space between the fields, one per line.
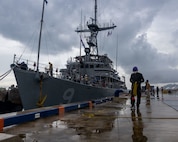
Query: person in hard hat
x=136 y=79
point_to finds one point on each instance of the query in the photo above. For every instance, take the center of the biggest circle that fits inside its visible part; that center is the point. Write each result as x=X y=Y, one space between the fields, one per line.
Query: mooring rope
x=5 y=74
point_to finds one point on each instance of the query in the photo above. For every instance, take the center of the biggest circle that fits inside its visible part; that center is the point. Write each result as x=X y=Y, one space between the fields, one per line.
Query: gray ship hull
x=57 y=91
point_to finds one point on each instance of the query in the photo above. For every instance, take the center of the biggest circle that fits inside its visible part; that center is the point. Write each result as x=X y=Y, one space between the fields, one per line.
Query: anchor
x=42 y=98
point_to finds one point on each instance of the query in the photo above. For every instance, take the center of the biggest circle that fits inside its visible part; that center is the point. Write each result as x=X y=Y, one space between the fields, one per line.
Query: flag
x=46 y=1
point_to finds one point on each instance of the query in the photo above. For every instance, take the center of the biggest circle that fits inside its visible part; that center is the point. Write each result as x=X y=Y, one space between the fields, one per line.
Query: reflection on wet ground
x=108 y=122
x=90 y=123
x=138 y=127
x=81 y=125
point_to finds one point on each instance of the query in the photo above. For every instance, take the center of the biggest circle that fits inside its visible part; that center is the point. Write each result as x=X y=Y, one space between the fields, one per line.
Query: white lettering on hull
x=68 y=95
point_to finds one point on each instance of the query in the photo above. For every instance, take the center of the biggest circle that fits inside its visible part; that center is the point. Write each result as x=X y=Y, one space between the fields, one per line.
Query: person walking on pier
x=147 y=91
x=136 y=79
x=157 y=92
x=162 y=91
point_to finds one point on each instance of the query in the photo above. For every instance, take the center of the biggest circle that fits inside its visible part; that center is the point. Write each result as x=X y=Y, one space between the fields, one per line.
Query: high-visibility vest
x=135 y=86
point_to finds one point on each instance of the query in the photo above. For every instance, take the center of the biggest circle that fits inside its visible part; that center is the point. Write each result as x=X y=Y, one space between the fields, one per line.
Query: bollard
x=90 y=104
x=61 y=111
x=1 y=124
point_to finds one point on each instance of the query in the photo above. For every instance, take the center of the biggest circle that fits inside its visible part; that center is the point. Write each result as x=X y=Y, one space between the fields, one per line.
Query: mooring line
x=5 y=74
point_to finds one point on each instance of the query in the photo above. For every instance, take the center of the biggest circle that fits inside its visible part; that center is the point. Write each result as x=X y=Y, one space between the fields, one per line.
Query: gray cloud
x=20 y=21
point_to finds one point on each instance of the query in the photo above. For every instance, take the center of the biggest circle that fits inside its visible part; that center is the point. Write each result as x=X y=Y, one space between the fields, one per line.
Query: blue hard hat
x=135 y=69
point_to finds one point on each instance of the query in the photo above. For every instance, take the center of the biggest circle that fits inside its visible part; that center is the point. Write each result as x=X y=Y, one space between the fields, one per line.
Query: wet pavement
x=110 y=121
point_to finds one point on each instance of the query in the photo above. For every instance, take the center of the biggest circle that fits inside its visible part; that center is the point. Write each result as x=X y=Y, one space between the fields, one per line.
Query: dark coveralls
x=136 y=77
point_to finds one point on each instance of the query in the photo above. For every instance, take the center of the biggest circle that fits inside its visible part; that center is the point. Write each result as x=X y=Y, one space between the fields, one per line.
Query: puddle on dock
x=80 y=125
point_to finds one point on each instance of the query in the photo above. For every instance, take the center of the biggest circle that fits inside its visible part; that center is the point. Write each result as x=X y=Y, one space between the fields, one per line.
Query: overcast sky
x=145 y=36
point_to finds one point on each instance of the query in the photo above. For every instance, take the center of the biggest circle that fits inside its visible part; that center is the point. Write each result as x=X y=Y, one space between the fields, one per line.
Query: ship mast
x=95 y=11
x=39 y=43
x=93 y=29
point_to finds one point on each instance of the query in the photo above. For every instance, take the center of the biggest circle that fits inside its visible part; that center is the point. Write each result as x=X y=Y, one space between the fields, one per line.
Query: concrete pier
x=109 y=121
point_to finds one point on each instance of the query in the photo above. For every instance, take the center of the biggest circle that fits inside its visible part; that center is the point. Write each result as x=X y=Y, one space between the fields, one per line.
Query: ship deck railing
x=56 y=73
x=31 y=65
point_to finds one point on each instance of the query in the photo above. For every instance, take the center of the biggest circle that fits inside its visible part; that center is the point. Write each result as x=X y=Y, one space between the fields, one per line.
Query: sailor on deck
x=51 y=69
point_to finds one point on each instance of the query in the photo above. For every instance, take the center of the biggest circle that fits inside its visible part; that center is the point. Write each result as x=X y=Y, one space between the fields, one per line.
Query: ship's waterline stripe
x=31 y=116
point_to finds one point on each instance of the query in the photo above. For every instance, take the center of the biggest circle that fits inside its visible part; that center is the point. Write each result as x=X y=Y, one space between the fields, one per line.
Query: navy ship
x=89 y=77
